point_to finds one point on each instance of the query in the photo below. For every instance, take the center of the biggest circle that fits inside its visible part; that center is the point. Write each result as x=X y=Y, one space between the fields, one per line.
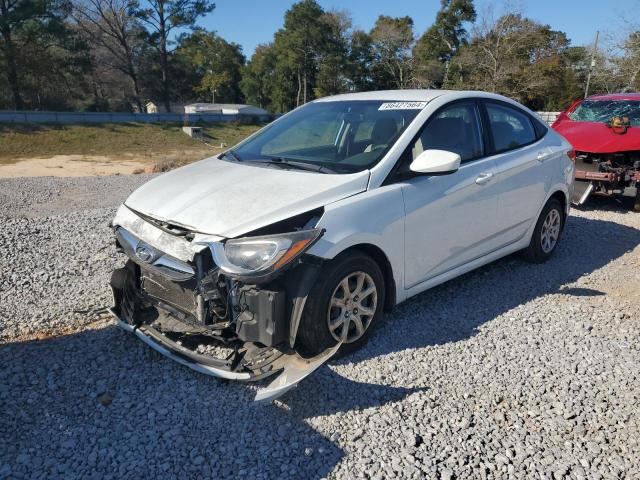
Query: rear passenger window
x=509 y=128
x=456 y=129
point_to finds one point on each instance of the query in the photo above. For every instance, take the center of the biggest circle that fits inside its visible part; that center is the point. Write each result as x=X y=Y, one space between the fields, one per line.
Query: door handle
x=542 y=156
x=484 y=178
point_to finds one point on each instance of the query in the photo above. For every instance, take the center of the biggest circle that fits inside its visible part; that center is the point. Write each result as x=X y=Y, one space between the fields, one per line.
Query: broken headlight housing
x=253 y=259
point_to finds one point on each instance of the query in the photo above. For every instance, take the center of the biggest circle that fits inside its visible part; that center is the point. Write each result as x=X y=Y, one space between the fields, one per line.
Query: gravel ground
x=512 y=371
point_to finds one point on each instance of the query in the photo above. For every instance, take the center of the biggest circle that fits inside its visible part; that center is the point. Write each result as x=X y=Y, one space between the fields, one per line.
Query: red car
x=605 y=133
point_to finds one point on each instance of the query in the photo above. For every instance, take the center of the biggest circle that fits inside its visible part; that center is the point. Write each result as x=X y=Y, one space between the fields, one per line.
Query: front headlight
x=256 y=258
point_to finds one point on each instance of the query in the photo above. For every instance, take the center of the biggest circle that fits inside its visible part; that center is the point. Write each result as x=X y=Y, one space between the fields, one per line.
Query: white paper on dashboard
x=403 y=106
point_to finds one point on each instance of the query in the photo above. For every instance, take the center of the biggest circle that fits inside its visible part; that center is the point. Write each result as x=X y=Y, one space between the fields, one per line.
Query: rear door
x=524 y=168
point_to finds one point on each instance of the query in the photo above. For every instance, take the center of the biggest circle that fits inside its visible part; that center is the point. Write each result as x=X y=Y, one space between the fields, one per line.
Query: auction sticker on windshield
x=403 y=106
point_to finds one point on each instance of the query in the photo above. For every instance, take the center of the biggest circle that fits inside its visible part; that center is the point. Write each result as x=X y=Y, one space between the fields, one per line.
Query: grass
x=143 y=142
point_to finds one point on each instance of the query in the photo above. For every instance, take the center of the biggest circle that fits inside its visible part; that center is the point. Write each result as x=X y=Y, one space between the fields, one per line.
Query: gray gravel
x=512 y=371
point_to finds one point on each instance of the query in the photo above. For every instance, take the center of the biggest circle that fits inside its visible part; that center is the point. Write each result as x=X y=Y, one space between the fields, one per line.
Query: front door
x=450 y=219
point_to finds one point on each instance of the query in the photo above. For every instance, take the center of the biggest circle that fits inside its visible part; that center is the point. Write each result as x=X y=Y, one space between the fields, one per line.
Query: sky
x=251 y=22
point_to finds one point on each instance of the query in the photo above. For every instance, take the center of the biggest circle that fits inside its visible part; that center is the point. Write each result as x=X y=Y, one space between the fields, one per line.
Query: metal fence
x=7 y=116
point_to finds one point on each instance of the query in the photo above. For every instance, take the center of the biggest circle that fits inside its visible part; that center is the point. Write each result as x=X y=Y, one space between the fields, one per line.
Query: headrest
x=383 y=131
x=502 y=134
x=445 y=132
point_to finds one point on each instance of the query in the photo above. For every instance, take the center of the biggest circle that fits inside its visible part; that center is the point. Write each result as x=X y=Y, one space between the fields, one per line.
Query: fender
x=374 y=217
x=298 y=284
x=559 y=187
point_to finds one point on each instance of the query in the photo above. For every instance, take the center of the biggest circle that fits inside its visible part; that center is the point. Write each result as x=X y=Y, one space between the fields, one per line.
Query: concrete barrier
x=548 y=117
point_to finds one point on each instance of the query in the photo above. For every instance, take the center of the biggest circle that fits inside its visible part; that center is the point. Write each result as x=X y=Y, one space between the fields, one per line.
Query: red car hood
x=597 y=137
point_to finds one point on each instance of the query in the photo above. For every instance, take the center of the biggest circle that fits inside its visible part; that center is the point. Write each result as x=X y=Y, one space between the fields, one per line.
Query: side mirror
x=436 y=162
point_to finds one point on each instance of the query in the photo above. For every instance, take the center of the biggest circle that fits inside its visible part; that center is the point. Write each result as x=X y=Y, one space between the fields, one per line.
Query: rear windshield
x=604 y=110
x=345 y=136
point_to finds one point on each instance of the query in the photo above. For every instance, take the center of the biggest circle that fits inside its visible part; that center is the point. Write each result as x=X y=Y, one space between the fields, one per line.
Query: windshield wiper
x=310 y=167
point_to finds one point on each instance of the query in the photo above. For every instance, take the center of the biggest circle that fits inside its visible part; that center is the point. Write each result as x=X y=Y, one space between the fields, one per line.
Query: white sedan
x=271 y=257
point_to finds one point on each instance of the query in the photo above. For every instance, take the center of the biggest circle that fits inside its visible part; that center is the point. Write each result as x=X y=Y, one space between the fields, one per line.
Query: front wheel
x=546 y=234
x=344 y=306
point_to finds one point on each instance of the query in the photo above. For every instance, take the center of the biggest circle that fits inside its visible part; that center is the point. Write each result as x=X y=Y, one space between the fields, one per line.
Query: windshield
x=344 y=137
x=604 y=110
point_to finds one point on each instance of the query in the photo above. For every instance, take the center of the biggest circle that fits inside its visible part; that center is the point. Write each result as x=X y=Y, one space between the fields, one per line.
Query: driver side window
x=456 y=129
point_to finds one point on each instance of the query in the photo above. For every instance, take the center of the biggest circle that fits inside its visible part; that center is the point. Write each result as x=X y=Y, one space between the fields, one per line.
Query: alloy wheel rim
x=352 y=307
x=550 y=231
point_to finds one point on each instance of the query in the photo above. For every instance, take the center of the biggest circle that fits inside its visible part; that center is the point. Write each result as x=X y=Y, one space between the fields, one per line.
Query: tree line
x=114 y=55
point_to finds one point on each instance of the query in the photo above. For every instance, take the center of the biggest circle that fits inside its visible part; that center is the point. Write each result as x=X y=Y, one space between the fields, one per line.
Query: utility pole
x=592 y=64
x=213 y=93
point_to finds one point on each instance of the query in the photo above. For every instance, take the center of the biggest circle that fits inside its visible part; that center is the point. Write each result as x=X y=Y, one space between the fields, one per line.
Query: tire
x=539 y=250
x=314 y=333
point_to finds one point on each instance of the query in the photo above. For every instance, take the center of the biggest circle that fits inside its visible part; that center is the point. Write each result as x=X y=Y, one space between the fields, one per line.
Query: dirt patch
x=104 y=319
x=72 y=166
x=35 y=150
x=96 y=165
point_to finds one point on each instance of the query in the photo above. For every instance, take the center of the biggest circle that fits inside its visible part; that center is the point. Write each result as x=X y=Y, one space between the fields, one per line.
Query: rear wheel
x=546 y=234
x=344 y=306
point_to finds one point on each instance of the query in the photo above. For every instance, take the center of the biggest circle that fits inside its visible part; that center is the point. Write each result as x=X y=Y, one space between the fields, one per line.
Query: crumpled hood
x=229 y=199
x=596 y=137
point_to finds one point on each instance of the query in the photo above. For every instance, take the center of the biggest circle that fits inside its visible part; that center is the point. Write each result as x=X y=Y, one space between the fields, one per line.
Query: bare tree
x=392 y=42
x=111 y=25
x=500 y=41
x=511 y=55
x=162 y=18
x=626 y=53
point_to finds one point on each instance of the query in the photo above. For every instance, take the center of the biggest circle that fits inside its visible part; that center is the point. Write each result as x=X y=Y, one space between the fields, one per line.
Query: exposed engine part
x=173 y=322
x=261 y=317
x=607 y=174
x=302 y=221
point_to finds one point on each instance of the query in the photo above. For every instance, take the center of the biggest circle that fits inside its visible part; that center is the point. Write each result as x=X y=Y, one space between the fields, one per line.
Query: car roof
x=615 y=96
x=410 y=95
x=414 y=95
x=421 y=95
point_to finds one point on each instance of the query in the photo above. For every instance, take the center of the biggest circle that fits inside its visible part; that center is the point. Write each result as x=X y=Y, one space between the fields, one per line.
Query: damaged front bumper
x=174 y=352
x=173 y=297
x=293 y=368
